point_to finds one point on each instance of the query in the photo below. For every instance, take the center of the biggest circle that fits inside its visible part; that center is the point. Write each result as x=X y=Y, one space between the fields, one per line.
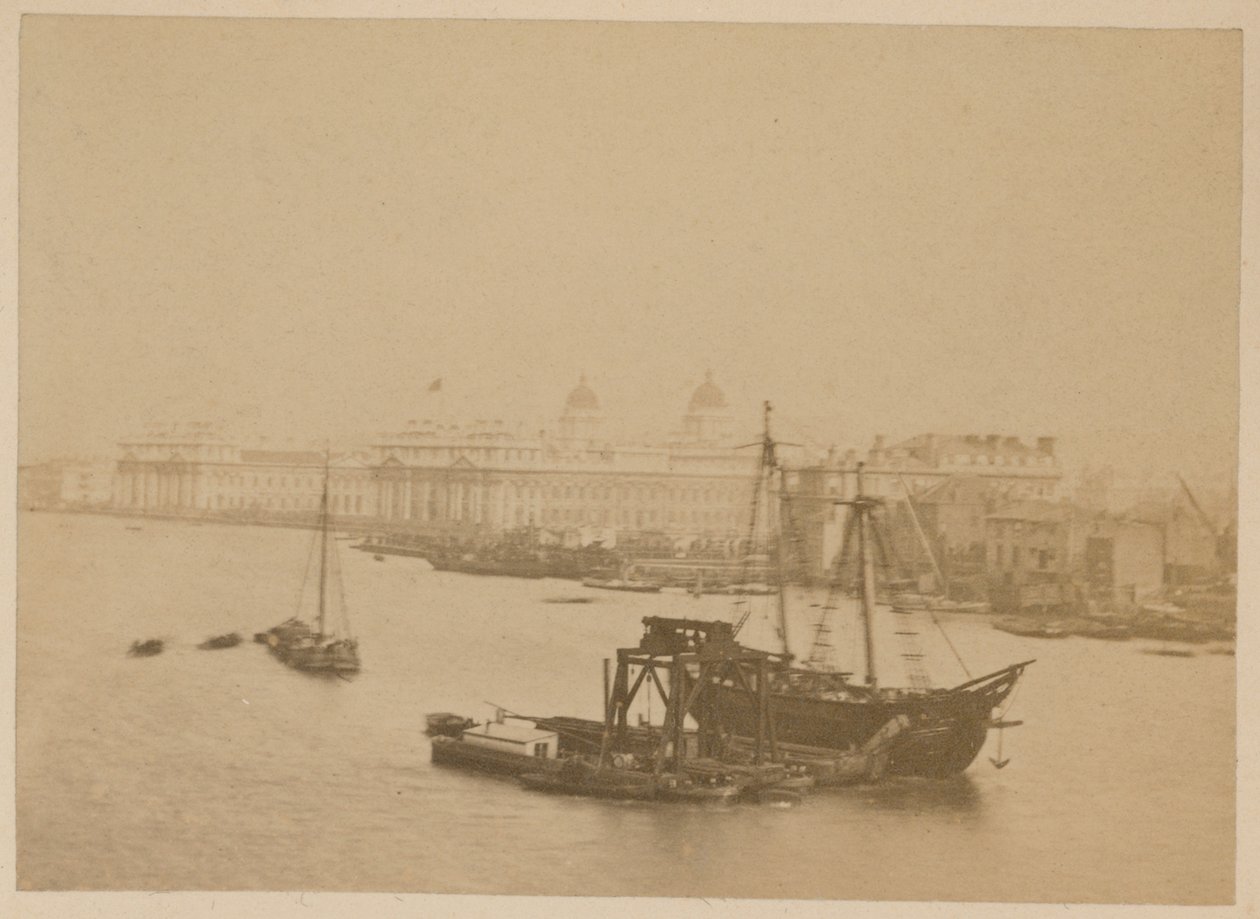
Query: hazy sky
x=882 y=229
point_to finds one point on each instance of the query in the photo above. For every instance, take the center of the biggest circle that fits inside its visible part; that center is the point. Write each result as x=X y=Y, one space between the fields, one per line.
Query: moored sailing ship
x=326 y=644
x=815 y=704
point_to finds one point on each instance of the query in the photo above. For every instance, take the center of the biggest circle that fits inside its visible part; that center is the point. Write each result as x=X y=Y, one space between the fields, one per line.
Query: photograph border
x=1208 y=14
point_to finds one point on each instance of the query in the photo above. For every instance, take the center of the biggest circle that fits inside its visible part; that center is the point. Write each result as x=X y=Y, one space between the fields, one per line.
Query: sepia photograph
x=628 y=459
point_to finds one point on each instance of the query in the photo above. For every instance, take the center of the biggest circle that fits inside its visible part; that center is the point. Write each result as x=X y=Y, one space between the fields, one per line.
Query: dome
x=582 y=398
x=707 y=396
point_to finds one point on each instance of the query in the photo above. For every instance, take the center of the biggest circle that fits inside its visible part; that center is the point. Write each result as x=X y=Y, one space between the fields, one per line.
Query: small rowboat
x=145 y=648
x=231 y=640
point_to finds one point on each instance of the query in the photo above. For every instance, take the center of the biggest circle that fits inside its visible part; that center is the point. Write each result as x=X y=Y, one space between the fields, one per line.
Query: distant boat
x=1030 y=628
x=230 y=640
x=1169 y=652
x=938 y=604
x=748 y=590
x=326 y=644
x=576 y=777
x=392 y=545
x=135 y=528
x=523 y=566
x=641 y=587
x=145 y=648
x=446 y=724
x=496 y=746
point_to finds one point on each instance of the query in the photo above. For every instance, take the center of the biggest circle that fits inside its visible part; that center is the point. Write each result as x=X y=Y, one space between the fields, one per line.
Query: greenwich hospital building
x=475 y=481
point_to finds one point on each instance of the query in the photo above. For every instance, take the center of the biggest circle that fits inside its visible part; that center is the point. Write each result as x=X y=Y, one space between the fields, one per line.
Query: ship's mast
x=783 y=619
x=323 y=546
x=862 y=506
x=769 y=464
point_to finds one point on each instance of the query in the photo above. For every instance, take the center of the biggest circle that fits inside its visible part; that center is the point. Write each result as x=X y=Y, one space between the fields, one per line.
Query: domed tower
x=581 y=417
x=708 y=419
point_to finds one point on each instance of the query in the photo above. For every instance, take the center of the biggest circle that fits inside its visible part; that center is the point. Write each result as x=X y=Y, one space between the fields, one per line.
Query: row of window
x=478 y=454
x=982 y=459
x=643 y=493
x=639 y=493
x=626 y=517
x=339 y=504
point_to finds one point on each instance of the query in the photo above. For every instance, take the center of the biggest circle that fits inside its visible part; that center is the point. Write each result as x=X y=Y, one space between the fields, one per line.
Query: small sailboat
x=326 y=644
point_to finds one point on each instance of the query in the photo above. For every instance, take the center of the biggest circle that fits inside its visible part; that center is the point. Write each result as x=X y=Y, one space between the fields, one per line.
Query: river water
x=202 y=770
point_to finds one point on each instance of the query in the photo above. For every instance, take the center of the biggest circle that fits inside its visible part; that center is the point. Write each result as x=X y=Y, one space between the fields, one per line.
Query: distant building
x=39 y=486
x=953 y=512
x=479 y=479
x=191 y=470
x=1124 y=558
x=1034 y=553
x=470 y=481
x=1013 y=469
x=1032 y=540
x=985 y=470
x=86 y=484
x=1191 y=549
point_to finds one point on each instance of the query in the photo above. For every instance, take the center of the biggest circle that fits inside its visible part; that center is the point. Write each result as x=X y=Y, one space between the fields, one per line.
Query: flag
x=436 y=385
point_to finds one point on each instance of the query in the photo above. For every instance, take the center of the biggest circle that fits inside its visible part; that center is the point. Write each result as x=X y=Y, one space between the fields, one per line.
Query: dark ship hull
x=339 y=656
x=386 y=549
x=947 y=727
x=525 y=568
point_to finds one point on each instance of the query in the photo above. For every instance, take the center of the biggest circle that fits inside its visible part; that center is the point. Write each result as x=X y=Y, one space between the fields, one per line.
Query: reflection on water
x=956 y=795
x=228 y=770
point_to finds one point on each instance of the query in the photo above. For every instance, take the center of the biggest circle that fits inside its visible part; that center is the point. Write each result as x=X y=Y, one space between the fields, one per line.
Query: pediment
x=463 y=463
x=392 y=462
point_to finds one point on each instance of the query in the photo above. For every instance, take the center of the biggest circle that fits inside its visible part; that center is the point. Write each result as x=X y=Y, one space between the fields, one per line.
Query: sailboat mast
x=323 y=547
x=861 y=507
